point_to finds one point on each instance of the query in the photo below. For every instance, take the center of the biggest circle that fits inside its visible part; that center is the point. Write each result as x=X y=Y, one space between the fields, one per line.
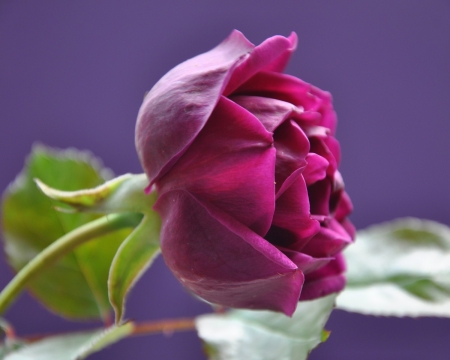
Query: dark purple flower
x=245 y=163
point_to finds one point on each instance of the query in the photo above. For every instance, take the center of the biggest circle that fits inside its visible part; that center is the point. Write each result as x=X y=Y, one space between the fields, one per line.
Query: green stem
x=61 y=247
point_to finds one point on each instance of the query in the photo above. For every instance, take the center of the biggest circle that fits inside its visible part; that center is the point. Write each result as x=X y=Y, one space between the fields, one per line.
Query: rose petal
x=320 y=147
x=349 y=228
x=282 y=87
x=188 y=94
x=315 y=169
x=334 y=147
x=330 y=239
x=329 y=118
x=230 y=165
x=319 y=197
x=292 y=147
x=271 y=112
x=268 y=53
x=281 y=62
x=221 y=260
x=292 y=213
x=318 y=131
x=305 y=263
x=324 y=281
x=340 y=203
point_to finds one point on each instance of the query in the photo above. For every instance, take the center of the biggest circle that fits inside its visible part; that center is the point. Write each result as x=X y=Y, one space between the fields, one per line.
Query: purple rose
x=245 y=164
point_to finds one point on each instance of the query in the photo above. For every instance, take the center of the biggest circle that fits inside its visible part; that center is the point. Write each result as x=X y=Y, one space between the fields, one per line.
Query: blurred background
x=73 y=74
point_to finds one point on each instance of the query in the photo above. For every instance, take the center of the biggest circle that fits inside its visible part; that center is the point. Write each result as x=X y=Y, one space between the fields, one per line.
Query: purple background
x=74 y=74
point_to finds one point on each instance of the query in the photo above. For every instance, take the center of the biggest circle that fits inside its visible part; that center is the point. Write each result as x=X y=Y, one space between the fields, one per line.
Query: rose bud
x=245 y=163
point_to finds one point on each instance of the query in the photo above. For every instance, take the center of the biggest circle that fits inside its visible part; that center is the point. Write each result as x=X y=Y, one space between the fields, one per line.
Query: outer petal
x=222 y=261
x=231 y=165
x=329 y=118
x=178 y=106
x=273 y=52
x=281 y=62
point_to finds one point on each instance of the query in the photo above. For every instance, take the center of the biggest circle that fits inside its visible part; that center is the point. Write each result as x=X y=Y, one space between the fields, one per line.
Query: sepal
x=121 y=194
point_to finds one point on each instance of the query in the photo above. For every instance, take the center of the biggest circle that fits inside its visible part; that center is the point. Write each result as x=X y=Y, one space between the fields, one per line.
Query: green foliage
x=265 y=335
x=74 y=346
x=132 y=259
x=400 y=268
x=76 y=286
x=135 y=255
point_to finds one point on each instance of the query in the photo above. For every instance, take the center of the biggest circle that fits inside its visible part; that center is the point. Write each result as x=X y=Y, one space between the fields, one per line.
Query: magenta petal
x=329 y=118
x=271 y=112
x=292 y=212
x=320 y=147
x=230 y=165
x=281 y=62
x=328 y=241
x=349 y=228
x=305 y=263
x=316 y=168
x=334 y=147
x=319 y=196
x=344 y=207
x=280 y=86
x=271 y=51
x=324 y=281
x=178 y=106
x=221 y=260
x=292 y=147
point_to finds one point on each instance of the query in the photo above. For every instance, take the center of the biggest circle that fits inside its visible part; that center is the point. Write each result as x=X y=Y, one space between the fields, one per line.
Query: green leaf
x=265 y=335
x=400 y=268
x=137 y=252
x=134 y=256
x=74 y=346
x=76 y=286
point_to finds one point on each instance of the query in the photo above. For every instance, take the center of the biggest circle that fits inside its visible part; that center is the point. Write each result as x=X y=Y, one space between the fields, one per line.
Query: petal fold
x=178 y=106
x=281 y=62
x=221 y=260
x=326 y=280
x=231 y=165
x=316 y=168
x=292 y=213
x=272 y=53
x=271 y=112
x=330 y=240
x=292 y=147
